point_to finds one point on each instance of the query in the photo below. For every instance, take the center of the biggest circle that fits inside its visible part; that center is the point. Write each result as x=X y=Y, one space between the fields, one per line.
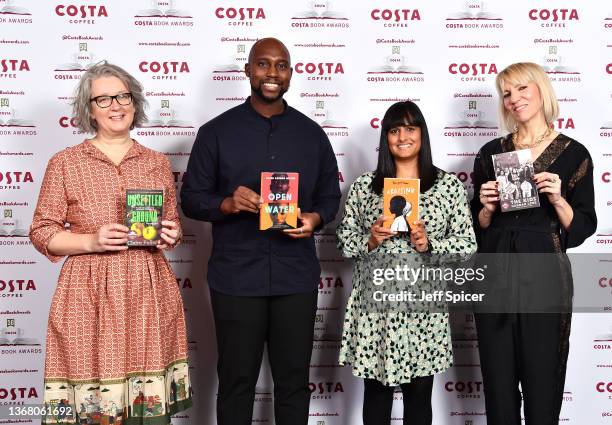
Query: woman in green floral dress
x=400 y=348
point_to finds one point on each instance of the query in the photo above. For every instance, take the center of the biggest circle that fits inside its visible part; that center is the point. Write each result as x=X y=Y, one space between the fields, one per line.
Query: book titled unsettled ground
x=400 y=203
x=279 y=192
x=144 y=210
x=514 y=174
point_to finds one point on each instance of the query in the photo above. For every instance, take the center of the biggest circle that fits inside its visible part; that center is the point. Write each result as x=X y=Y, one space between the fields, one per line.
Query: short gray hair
x=81 y=107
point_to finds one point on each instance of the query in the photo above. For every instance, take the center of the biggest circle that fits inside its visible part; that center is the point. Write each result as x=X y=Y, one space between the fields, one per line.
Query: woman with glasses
x=116 y=341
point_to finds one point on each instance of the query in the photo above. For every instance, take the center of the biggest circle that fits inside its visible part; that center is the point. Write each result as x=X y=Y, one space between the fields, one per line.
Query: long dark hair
x=400 y=114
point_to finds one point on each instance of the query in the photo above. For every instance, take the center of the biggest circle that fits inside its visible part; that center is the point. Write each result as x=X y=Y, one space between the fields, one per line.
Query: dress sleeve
x=459 y=238
x=581 y=197
x=51 y=209
x=352 y=240
x=170 y=207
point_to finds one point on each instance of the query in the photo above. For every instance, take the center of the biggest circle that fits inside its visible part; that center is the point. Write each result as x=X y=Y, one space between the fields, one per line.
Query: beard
x=257 y=90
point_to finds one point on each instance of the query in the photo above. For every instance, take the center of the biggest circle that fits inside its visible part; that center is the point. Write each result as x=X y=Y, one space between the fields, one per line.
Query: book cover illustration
x=514 y=172
x=279 y=192
x=400 y=203
x=144 y=212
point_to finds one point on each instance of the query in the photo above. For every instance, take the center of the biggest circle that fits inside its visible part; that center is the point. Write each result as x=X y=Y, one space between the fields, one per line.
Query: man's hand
x=243 y=199
x=309 y=222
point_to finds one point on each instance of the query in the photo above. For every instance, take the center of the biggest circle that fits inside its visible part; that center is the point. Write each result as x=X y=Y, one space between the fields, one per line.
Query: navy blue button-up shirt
x=232 y=150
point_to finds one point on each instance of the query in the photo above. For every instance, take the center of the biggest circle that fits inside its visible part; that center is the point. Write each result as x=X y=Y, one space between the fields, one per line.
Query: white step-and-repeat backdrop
x=351 y=61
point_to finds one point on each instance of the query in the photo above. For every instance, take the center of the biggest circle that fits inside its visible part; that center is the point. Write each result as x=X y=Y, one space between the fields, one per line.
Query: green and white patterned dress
x=395 y=347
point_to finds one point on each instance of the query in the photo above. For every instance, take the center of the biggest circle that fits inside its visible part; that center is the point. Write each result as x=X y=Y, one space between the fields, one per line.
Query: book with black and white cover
x=514 y=173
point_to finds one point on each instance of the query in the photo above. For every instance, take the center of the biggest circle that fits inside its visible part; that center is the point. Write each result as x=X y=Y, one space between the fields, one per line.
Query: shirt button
x=272 y=157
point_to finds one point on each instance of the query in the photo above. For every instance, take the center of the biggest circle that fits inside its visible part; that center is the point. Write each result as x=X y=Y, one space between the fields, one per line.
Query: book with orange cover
x=279 y=192
x=400 y=203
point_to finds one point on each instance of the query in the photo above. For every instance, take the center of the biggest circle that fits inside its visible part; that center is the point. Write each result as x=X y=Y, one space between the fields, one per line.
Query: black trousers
x=243 y=326
x=378 y=402
x=530 y=348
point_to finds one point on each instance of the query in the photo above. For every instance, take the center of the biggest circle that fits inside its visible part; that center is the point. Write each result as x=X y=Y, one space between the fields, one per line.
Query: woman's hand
x=550 y=184
x=418 y=236
x=489 y=196
x=110 y=237
x=378 y=233
x=170 y=235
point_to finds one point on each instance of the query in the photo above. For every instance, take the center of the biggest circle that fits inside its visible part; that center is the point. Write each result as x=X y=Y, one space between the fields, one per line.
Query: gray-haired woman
x=116 y=340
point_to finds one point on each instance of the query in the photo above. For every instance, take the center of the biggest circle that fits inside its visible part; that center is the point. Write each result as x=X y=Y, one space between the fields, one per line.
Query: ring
x=554 y=180
x=301 y=230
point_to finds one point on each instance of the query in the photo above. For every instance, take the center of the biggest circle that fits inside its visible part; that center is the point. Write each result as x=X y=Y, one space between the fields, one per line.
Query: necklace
x=537 y=142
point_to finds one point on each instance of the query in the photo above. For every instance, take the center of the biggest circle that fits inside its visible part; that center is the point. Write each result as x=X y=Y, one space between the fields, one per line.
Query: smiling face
x=116 y=120
x=269 y=70
x=523 y=102
x=404 y=141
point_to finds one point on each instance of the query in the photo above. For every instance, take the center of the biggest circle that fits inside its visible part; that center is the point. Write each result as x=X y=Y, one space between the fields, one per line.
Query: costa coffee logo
x=556 y=18
x=465 y=389
x=564 y=124
x=70 y=123
x=609 y=68
x=325 y=387
x=472 y=71
x=166 y=70
x=319 y=70
x=242 y=16
x=17 y=394
x=395 y=17
x=13 y=65
x=15 y=287
x=10 y=177
x=606 y=177
x=184 y=283
x=82 y=14
x=327 y=283
x=340 y=177
x=604 y=387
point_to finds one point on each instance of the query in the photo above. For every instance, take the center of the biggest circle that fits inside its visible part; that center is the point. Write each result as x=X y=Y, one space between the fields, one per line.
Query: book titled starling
x=279 y=192
x=400 y=203
x=143 y=216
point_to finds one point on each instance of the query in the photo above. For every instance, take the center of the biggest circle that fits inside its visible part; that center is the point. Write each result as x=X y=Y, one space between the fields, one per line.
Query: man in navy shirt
x=263 y=285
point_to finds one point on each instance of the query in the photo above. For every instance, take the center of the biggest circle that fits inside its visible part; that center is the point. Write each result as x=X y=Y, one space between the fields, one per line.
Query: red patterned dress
x=116 y=341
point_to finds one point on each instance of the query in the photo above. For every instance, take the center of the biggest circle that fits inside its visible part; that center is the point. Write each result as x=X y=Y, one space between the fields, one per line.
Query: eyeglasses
x=122 y=99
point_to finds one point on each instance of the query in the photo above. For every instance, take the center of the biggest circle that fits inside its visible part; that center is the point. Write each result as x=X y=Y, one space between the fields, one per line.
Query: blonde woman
x=527 y=340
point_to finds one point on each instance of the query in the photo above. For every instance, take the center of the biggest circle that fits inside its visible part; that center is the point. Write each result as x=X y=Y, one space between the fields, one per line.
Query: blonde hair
x=524 y=73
